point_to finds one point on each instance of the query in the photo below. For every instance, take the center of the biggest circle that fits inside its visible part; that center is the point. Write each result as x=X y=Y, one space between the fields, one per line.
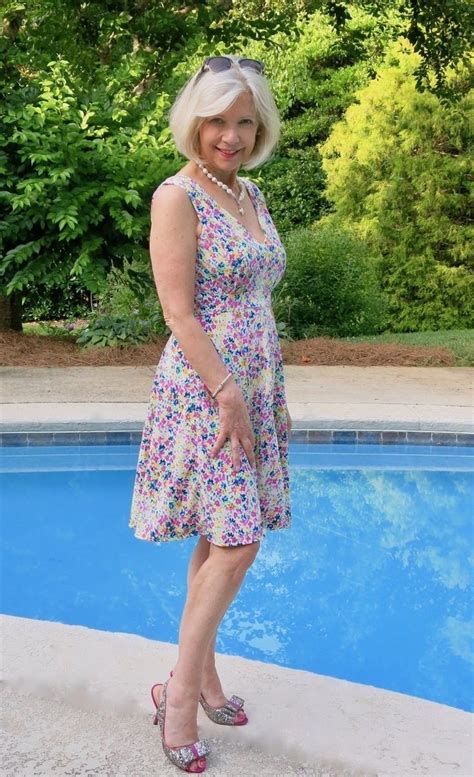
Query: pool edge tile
x=298 y=436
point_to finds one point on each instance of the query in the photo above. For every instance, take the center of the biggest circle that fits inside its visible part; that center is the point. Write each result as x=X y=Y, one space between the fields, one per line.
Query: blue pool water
x=371 y=583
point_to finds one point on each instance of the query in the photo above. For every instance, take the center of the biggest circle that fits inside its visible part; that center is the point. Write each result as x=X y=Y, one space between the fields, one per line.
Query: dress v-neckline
x=228 y=213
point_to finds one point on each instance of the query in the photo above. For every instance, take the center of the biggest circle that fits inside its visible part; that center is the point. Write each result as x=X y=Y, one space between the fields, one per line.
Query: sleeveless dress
x=179 y=490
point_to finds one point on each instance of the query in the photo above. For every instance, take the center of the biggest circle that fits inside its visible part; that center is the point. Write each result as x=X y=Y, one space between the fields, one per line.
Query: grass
x=50 y=328
x=459 y=341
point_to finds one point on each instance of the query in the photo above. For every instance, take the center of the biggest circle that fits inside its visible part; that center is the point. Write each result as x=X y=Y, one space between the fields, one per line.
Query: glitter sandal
x=184 y=755
x=227 y=714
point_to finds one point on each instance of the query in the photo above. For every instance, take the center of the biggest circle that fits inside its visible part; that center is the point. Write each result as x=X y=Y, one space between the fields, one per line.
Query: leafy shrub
x=130 y=292
x=314 y=78
x=294 y=189
x=49 y=303
x=110 y=331
x=79 y=168
x=127 y=312
x=330 y=287
x=397 y=172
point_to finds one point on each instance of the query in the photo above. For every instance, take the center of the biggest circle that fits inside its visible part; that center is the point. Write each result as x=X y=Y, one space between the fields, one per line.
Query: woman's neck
x=229 y=177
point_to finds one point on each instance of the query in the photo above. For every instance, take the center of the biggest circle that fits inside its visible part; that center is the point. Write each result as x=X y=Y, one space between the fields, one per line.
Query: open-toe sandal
x=227 y=714
x=184 y=755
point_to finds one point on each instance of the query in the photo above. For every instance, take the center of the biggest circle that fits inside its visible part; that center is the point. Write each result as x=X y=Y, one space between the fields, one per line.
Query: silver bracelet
x=214 y=394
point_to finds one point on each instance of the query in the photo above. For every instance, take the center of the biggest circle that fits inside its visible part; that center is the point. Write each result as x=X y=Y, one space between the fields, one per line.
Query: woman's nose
x=231 y=134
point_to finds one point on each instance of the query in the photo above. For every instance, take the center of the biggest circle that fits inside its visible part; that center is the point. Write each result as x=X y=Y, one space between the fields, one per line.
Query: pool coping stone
x=78 y=682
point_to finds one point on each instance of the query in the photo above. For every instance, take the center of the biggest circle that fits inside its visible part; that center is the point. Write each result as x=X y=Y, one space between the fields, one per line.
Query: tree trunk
x=11 y=309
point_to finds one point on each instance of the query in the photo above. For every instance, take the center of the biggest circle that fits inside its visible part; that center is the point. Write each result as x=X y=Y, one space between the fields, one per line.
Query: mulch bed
x=28 y=350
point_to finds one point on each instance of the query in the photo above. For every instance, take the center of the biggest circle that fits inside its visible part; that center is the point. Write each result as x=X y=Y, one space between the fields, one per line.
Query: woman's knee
x=237 y=558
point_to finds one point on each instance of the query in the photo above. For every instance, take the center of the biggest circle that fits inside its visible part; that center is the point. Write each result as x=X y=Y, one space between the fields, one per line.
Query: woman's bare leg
x=212 y=588
x=211 y=685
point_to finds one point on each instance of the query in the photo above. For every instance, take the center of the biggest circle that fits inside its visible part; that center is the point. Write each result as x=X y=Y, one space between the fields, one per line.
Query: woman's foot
x=181 y=718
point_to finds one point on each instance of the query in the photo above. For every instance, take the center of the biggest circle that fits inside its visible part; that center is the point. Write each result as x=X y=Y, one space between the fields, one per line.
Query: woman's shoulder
x=181 y=181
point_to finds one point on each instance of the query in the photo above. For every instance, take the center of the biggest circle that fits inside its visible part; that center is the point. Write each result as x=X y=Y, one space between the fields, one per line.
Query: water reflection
x=371 y=583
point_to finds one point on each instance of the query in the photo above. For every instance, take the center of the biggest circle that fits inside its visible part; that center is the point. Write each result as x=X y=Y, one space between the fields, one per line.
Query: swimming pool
x=371 y=583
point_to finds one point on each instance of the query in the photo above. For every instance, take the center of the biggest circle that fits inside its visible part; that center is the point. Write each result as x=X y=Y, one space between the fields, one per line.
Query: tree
x=83 y=135
x=439 y=30
x=397 y=172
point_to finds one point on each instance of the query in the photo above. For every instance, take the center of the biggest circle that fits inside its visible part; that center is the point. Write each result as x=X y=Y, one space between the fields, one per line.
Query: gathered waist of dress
x=238 y=305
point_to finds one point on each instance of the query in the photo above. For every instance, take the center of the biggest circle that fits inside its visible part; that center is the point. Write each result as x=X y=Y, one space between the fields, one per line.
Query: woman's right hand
x=235 y=424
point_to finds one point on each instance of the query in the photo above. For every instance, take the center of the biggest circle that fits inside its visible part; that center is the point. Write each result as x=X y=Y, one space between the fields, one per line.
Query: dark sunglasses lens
x=253 y=64
x=218 y=64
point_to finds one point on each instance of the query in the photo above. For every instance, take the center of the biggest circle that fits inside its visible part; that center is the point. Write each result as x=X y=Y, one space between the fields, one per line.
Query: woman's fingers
x=247 y=444
x=221 y=438
x=234 y=441
x=235 y=424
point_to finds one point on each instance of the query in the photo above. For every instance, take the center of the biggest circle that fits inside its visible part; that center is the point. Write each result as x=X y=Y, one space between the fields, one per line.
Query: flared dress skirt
x=179 y=489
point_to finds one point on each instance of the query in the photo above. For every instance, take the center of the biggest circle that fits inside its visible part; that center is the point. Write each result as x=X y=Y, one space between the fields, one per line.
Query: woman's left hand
x=288 y=421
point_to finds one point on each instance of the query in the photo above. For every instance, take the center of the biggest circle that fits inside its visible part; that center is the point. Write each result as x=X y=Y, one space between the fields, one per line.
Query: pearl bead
x=226 y=188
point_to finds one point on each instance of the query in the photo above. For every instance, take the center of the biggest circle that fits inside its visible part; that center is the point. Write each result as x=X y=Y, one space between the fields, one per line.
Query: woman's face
x=233 y=131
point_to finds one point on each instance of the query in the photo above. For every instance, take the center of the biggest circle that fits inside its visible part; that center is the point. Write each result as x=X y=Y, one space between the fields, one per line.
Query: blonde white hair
x=214 y=93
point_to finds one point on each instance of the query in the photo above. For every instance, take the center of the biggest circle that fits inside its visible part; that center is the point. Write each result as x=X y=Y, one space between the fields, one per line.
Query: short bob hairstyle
x=214 y=93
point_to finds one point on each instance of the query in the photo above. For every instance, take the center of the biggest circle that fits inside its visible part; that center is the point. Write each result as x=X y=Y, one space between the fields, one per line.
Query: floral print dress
x=179 y=489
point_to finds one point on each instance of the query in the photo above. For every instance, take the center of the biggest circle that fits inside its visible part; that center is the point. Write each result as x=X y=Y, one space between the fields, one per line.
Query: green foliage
x=78 y=171
x=426 y=294
x=330 y=286
x=65 y=330
x=439 y=30
x=46 y=303
x=85 y=89
x=127 y=312
x=83 y=131
x=294 y=189
x=115 y=332
x=397 y=172
x=130 y=293
x=314 y=77
x=129 y=41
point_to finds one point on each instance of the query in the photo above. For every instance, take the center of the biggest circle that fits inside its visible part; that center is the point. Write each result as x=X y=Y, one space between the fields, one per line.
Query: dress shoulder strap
x=255 y=190
x=177 y=180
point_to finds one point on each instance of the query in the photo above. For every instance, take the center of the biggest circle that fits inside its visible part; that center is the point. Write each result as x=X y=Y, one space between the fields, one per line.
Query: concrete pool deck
x=395 y=398
x=76 y=700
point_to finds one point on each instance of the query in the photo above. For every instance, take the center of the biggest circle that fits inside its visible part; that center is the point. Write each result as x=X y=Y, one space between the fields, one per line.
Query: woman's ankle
x=184 y=687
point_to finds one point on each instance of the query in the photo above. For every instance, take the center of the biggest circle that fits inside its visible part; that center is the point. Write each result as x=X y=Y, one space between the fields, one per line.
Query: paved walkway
x=428 y=398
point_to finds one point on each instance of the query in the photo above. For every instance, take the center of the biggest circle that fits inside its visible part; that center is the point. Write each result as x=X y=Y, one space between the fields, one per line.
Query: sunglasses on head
x=218 y=64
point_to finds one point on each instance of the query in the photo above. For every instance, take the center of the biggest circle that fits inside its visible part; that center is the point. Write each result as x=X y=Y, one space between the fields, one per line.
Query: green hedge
x=330 y=287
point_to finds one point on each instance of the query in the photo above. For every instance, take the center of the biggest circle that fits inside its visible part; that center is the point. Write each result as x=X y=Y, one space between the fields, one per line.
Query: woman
x=213 y=459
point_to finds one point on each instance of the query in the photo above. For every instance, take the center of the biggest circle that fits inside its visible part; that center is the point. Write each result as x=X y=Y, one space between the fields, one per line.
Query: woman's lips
x=228 y=153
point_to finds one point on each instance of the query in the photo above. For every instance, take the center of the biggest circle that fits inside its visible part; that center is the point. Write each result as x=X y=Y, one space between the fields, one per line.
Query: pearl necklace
x=226 y=188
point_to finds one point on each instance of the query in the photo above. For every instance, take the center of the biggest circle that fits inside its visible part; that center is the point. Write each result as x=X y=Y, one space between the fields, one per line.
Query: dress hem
x=197 y=533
